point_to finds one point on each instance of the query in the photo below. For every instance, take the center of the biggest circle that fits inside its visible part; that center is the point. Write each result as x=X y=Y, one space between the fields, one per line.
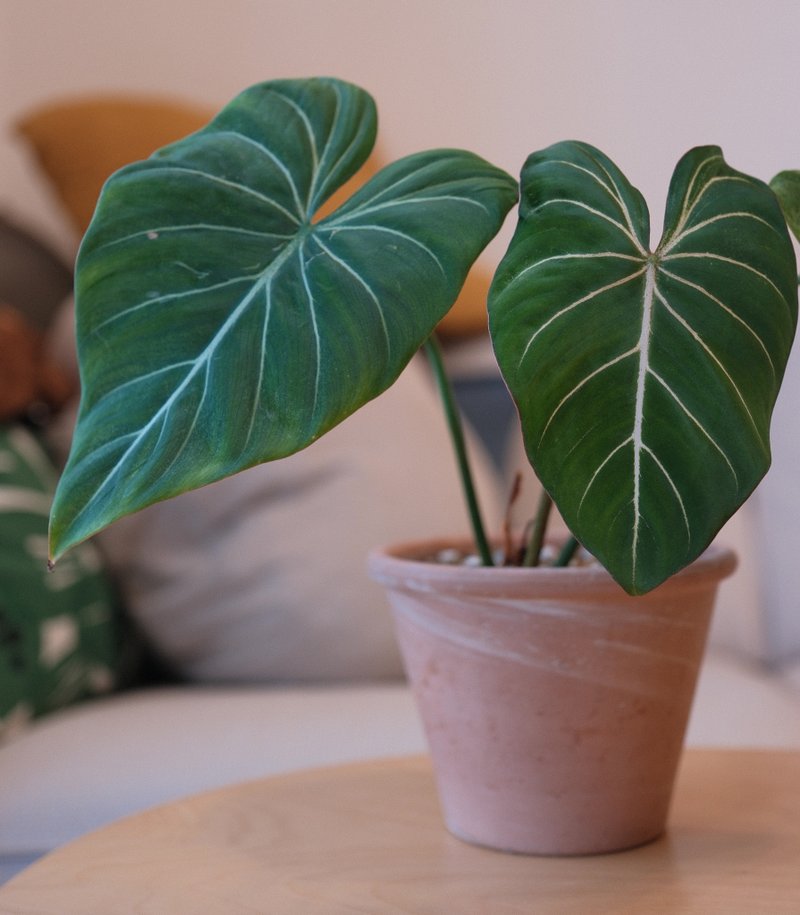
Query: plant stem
x=454 y=424
x=567 y=552
x=536 y=539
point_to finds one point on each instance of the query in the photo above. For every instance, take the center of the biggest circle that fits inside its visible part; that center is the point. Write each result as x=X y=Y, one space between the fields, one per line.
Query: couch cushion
x=60 y=632
x=94 y=763
x=79 y=142
x=262 y=576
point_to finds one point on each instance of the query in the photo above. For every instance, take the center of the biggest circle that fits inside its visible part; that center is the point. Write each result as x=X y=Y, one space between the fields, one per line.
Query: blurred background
x=223 y=594
x=642 y=79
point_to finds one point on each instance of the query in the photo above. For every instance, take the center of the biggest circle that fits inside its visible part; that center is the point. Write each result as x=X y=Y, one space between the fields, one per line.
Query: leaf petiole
x=534 y=548
x=567 y=552
x=434 y=352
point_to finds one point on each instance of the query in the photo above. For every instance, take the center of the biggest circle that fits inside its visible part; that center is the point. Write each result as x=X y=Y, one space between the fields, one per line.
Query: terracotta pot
x=554 y=704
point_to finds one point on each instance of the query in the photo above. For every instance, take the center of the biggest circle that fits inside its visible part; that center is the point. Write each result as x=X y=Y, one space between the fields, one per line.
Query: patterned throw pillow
x=61 y=632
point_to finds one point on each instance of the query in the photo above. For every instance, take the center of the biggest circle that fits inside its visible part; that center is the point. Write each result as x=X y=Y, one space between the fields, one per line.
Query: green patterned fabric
x=61 y=632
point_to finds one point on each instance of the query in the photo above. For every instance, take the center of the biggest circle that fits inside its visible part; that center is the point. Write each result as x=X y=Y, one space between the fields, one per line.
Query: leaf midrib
x=643 y=348
x=202 y=360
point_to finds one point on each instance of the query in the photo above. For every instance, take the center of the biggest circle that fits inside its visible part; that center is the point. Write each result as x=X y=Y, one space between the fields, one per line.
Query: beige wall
x=642 y=79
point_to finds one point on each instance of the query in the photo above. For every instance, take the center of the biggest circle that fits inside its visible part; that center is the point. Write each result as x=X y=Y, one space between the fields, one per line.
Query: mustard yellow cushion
x=79 y=142
x=468 y=317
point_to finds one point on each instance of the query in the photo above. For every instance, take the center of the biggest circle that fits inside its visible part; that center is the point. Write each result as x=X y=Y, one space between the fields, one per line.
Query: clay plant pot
x=554 y=704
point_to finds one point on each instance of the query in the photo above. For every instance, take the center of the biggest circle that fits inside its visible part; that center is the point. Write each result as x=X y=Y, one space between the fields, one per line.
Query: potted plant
x=221 y=325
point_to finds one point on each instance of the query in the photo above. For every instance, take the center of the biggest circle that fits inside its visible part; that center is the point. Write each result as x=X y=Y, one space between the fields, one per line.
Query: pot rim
x=398 y=565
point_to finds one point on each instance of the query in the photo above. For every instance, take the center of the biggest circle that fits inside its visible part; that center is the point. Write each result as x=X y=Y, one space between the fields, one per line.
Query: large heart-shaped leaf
x=220 y=326
x=645 y=381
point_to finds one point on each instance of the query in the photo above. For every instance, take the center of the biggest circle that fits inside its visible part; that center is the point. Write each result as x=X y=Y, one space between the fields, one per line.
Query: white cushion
x=741 y=703
x=91 y=764
x=261 y=577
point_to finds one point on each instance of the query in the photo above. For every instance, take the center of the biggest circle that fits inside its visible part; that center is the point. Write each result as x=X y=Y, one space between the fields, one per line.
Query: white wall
x=642 y=79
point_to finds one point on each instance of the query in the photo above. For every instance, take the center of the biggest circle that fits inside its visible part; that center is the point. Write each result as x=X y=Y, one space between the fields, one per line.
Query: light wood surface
x=367 y=838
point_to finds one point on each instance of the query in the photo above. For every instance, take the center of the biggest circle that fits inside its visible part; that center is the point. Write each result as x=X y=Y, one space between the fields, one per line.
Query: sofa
x=232 y=633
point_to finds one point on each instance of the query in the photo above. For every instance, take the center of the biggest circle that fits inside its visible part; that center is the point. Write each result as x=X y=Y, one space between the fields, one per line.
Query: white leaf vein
x=371 y=227
x=343 y=220
x=726 y=308
x=275 y=160
x=688 y=203
x=312 y=140
x=697 y=423
x=237 y=186
x=267 y=312
x=555 y=258
x=643 y=349
x=342 y=264
x=197 y=365
x=145 y=378
x=320 y=163
x=189 y=432
x=393 y=190
x=710 y=255
x=600 y=467
x=582 y=383
x=613 y=192
x=686 y=214
x=672 y=486
x=173 y=296
x=737 y=214
x=595 y=212
x=714 y=358
x=620 y=200
x=154 y=232
x=315 y=325
x=578 y=302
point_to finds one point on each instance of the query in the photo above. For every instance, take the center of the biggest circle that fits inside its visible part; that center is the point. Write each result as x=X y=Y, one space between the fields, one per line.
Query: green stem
x=567 y=552
x=434 y=352
x=536 y=539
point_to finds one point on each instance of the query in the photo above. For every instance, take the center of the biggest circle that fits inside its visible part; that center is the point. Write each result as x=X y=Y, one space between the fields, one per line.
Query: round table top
x=368 y=838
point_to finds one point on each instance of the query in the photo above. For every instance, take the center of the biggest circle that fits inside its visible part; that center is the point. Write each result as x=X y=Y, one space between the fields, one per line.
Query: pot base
x=549 y=850
x=556 y=828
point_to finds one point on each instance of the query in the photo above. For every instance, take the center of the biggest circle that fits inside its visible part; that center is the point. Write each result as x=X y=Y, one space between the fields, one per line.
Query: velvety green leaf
x=645 y=381
x=220 y=326
x=786 y=186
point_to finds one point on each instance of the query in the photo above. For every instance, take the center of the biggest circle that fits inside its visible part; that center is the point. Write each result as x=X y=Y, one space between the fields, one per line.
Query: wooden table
x=367 y=838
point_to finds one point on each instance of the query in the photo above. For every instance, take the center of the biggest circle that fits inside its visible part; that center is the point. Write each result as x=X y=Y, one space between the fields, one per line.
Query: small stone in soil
x=548 y=555
x=452 y=556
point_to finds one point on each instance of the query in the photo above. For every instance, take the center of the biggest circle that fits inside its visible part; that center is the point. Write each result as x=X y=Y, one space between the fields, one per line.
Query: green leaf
x=220 y=326
x=645 y=381
x=786 y=186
